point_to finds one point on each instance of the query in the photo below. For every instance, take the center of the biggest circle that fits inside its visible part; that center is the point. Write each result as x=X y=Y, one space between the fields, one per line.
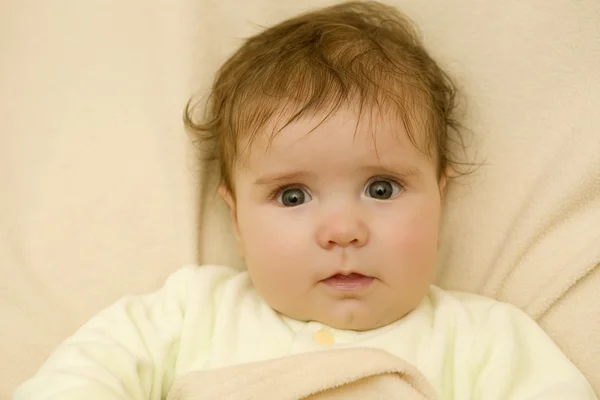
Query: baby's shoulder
x=482 y=321
x=193 y=278
x=199 y=285
x=496 y=333
x=503 y=349
x=474 y=309
x=202 y=274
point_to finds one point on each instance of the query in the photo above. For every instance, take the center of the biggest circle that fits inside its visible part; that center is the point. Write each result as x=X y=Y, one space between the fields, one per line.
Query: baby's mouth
x=349 y=282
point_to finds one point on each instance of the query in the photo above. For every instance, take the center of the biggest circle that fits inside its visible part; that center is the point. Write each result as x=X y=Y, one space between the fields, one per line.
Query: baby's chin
x=356 y=313
x=356 y=321
x=350 y=315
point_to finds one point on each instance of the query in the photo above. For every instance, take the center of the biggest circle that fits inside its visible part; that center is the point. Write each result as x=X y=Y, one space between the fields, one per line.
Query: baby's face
x=337 y=225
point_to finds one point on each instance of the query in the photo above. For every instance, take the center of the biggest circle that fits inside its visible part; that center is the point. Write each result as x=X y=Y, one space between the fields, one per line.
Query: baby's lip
x=346 y=273
x=349 y=281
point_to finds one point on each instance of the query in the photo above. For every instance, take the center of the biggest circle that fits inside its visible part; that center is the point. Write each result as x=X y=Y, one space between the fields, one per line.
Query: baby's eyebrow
x=400 y=170
x=270 y=179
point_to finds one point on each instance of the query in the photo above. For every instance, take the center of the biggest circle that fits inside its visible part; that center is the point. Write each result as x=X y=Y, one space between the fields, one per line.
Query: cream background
x=101 y=196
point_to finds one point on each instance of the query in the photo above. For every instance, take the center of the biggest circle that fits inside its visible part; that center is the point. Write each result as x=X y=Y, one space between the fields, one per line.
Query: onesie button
x=324 y=338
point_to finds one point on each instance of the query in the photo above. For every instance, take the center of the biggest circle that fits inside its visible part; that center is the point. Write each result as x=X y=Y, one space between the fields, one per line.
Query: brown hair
x=363 y=53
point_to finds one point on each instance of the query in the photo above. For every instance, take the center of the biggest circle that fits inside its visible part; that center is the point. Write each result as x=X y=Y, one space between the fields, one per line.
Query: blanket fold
x=325 y=375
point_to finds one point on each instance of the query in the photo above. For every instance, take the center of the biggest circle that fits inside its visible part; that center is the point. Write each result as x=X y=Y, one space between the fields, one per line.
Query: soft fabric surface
x=315 y=376
x=206 y=318
x=101 y=195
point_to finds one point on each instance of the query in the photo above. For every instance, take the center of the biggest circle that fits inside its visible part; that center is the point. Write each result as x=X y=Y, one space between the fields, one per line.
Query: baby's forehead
x=375 y=133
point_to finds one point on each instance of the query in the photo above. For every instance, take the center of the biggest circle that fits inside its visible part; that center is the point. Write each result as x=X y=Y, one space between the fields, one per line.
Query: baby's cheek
x=275 y=234
x=412 y=239
x=274 y=242
x=276 y=259
x=410 y=229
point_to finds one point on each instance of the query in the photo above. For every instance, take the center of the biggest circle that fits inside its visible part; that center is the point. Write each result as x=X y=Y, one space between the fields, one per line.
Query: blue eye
x=382 y=189
x=293 y=197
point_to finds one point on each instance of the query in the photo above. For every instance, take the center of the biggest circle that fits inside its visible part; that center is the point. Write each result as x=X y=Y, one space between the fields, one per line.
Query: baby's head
x=332 y=131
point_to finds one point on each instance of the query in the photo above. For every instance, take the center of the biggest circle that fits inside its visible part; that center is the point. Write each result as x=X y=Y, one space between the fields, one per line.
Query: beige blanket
x=325 y=375
x=100 y=196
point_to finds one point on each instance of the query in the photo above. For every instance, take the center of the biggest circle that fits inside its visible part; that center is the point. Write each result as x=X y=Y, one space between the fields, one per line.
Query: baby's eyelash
x=278 y=189
x=387 y=179
x=275 y=192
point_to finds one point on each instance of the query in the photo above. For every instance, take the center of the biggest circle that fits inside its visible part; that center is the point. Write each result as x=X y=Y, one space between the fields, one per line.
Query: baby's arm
x=127 y=351
x=516 y=360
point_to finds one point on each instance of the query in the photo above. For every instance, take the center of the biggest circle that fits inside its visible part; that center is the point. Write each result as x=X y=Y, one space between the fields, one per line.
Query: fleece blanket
x=101 y=194
x=524 y=227
x=323 y=375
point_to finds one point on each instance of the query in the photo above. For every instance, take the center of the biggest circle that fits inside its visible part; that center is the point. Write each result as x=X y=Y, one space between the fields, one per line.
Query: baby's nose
x=343 y=230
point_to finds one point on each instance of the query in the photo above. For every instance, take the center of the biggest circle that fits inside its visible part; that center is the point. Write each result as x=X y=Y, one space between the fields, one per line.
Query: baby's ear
x=227 y=196
x=443 y=181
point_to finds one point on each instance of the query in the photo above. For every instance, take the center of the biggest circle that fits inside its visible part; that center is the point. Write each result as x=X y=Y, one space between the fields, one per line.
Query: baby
x=333 y=131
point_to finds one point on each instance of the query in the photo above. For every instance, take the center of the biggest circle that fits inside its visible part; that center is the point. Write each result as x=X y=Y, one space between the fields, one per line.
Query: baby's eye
x=382 y=189
x=293 y=197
